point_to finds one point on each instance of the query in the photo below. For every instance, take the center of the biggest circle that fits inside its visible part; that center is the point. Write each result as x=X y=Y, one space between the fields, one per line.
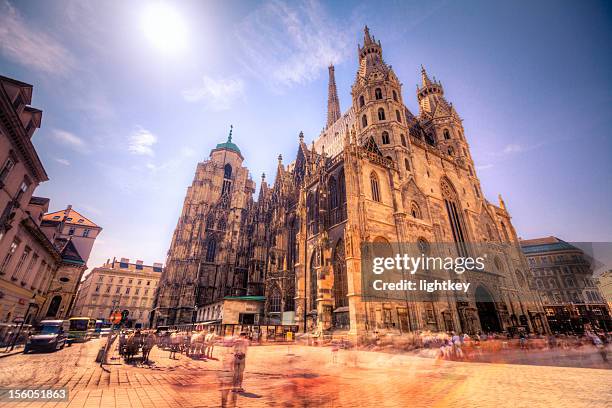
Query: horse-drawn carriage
x=130 y=345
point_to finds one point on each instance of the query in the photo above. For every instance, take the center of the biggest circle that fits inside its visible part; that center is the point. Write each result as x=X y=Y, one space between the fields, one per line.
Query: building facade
x=562 y=275
x=36 y=265
x=376 y=174
x=74 y=235
x=605 y=287
x=119 y=285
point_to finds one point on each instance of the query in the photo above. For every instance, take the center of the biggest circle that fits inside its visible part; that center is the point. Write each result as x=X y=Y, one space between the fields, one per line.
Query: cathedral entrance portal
x=487 y=313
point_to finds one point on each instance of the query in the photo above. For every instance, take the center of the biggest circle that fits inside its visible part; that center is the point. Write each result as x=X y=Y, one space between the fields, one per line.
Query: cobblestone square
x=301 y=376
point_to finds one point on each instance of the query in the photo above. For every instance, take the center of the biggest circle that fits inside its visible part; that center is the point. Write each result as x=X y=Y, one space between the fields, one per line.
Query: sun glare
x=165 y=28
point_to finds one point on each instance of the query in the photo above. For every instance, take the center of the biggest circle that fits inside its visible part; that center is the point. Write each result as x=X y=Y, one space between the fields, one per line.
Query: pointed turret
x=333 y=104
x=425 y=81
x=430 y=93
x=502 y=204
x=367 y=40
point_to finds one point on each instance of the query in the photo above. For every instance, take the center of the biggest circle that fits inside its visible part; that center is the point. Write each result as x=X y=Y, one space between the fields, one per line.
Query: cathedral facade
x=376 y=174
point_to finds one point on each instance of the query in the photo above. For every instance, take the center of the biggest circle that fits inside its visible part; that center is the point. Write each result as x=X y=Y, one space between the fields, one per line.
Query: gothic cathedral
x=376 y=173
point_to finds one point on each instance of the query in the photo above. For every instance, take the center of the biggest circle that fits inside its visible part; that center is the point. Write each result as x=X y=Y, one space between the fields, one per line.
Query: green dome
x=229 y=145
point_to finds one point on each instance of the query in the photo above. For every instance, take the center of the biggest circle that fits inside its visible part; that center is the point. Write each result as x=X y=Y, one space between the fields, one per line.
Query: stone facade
x=562 y=275
x=119 y=285
x=376 y=173
x=40 y=268
x=205 y=262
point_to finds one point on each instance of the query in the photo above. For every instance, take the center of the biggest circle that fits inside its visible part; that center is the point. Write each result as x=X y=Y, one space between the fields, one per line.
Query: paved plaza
x=301 y=376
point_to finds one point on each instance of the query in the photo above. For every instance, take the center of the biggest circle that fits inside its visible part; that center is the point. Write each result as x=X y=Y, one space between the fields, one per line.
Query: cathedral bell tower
x=441 y=122
x=377 y=103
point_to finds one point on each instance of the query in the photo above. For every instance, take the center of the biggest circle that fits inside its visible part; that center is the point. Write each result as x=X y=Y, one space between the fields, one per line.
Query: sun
x=165 y=28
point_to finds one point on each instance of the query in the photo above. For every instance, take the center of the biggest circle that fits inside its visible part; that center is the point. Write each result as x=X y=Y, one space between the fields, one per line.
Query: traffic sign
x=115 y=317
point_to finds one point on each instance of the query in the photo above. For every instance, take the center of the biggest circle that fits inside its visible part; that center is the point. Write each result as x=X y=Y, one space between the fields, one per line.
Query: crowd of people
x=460 y=346
x=196 y=344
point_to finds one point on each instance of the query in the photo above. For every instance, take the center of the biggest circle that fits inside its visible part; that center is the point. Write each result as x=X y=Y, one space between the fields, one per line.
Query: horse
x=148 y=342
x=210 y=340
x=196 y=344
x=132 y=346
x=175 y=342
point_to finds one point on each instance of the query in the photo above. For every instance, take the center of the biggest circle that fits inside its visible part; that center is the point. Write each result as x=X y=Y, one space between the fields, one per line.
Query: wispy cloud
x=22 y=42
x=484 y=167
x=141 y=142
x=89 y=209
x=517 y=148
x=513 y=148
x=289 y=45
x=70 y=139
x=184 y=153
x=217 y=94
x=62 y=161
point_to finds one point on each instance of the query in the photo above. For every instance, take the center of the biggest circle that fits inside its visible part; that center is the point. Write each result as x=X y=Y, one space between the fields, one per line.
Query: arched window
x=275 y=301
x=364 y=121
x=407 y=164
x=552 y=283
x=381 y=114
x=333 y=193
x=227 y=171
x=398 y=116
x=446 y=134
x=341 y=188
x=375 y=187
x=403 y=138
x=313 y=280
x=415 y=210
x=385 y=138
x=378 y=93
x=210 y=221
x=539 y=284
x=54 y=306
x=423 y=245
x=340 y=278
x=451 y=151
x=455 y=217
x=429 y=138
x=211 y=250
x=341 y=196
x=361 y=101
x=395 y=96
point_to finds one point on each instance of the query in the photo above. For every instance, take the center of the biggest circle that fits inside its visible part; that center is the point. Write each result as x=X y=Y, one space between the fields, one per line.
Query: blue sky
x=127 y=114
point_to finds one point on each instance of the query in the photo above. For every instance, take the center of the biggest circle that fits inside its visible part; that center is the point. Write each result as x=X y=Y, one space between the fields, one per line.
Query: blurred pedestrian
x=240 y=351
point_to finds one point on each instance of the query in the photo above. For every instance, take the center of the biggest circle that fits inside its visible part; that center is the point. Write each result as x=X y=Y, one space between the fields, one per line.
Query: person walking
x=240 y=350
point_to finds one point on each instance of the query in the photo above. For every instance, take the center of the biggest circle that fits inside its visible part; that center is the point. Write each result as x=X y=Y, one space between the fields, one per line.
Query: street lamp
x=31 y=303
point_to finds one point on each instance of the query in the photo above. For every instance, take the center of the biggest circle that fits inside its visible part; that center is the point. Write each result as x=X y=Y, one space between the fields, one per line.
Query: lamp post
x=31 y=303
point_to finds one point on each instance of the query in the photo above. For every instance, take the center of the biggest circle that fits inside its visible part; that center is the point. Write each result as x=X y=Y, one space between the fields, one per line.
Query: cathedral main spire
x=333 y=104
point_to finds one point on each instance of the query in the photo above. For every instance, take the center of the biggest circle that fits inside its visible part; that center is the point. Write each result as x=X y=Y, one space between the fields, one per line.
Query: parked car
x=49 y=335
